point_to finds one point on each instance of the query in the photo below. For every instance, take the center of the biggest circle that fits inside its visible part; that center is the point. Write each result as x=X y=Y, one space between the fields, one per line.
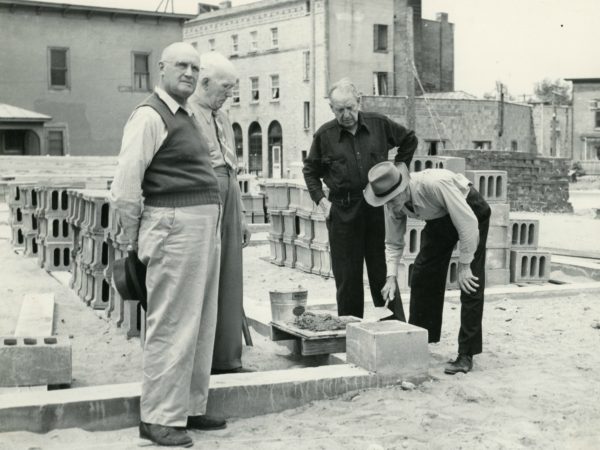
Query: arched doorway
x=239 y=144
x=275 y=150
x=255 y=149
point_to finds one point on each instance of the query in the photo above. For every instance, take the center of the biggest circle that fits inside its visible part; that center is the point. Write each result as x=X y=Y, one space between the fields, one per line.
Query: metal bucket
x=284 y=302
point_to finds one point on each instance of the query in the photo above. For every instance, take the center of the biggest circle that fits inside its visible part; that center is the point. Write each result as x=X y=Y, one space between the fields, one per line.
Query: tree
x=553 y=91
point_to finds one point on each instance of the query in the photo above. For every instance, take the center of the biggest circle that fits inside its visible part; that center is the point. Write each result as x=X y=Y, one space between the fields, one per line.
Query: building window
x=597 y=119
x=234 y=44
x=235 y=93
x=14 y=142
x=254 y=92
x=380 y=83
x=274 y=87
x=306 y=65
x=482 y=145
x=307 y=6
x=253 y=41
x=59 y=68
x=141 y=72
x=55 y=142
x=514 y=146
x=306 y=115
x=211 y=45
x=380 y=38
x=434 y=146
x=274 y=38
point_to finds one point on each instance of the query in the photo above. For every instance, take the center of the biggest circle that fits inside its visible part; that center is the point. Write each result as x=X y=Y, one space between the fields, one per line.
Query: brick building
x=459 y=121
x=288 y=52
x=586 y=123
x=86 y=67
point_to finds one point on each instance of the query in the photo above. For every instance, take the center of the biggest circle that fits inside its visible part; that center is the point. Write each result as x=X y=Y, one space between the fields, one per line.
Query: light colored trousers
x=181 y=249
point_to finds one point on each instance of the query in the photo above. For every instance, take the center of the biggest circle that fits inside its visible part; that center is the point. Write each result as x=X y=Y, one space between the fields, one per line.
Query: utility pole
x=554 y=126
x=410 y=75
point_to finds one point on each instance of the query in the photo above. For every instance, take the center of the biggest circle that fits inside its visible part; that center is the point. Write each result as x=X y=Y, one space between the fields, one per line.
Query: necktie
x=409 y=206
x=228 y=154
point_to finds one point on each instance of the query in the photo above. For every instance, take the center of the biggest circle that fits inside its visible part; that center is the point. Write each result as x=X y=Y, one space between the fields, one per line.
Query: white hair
x=213 y=64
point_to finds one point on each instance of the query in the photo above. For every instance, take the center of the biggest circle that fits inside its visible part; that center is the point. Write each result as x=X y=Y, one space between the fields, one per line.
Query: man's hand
x=325 y=207
x=467 y=282
x=245 y=234
x=389 y=288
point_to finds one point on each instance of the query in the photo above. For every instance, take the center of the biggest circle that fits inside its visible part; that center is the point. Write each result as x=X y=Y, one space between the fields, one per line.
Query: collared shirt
x=434 y=193
x=343 y=160
x=143 y=135
x=207 y=123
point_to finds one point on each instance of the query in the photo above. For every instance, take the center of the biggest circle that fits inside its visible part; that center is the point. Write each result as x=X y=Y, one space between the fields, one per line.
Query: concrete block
x=277 y=247
x=451 y=163
x=306 y=230
x=491 y=184
x=498 y=237
x=55 y=256
x=253 y=203
x=290 y=227
x=524 y=234
x=304 y=259
x=321 y=233
x=500 y=214
x=497 y=258
x=290 y=252
x=389 y=347
x=17 y=238
x=529 y=266
x=497 y=277
x=412 y=237
x=28 y=361
x=276 y=220
x=36 y=317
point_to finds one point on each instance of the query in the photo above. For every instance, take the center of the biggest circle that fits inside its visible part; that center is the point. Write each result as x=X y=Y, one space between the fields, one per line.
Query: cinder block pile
x=298 y=235
x=253 y=201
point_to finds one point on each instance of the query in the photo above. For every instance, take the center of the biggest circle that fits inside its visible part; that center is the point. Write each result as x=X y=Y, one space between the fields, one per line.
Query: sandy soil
x=536 y=385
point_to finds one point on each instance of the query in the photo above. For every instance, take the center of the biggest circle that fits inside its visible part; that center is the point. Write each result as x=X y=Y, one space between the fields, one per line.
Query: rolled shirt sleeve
x=143 y=135
x=395 y=228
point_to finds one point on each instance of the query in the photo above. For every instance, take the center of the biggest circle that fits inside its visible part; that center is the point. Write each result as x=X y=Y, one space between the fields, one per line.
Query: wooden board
x=36 y=317
x=308 y=334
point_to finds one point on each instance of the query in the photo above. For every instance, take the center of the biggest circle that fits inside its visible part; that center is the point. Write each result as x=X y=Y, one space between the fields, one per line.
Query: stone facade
x=317 y=43
x=586 y=123
x=462 y=123
x=99 y=45
x=534 y=183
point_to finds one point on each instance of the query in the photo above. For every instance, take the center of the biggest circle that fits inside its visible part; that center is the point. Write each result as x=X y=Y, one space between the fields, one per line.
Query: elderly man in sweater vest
x=168 y=198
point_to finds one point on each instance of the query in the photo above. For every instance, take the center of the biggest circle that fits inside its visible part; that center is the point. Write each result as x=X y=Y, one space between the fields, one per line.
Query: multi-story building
x=586 y=123
x=552 y=125
x=85 y=67
x=289 y=52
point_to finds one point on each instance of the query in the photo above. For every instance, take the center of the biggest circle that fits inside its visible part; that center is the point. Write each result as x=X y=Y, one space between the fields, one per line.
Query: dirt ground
x=536 y=385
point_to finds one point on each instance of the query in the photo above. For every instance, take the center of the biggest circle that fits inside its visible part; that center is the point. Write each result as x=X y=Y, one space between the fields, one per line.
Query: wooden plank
x=36 y=317
x=308 y=334
x=323 y=346
x=279 y=335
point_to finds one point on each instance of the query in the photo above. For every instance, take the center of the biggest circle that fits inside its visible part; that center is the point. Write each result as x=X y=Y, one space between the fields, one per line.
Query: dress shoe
x=164 y=435
x=236 y=370
x=205 y=422
x=463 y=363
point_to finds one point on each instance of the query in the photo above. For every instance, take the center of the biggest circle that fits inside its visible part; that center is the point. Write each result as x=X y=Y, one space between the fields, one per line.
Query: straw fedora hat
x=386 y=180
x=129 y=277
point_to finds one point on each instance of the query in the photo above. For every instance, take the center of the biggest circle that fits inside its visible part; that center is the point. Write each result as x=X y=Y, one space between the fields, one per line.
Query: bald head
x=179 y=68
x=218 y=77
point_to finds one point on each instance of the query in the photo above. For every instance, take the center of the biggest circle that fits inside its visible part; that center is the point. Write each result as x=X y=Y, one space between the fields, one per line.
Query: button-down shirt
x=343 y=160
x=143 y=135
x=207 y=122
x=434 y=193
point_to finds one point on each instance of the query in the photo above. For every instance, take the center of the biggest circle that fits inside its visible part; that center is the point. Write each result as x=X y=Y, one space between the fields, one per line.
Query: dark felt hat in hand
x=129 y=277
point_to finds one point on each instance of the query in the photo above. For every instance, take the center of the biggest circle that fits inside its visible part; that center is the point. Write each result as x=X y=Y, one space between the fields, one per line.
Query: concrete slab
x=112 y=407
x=36 y=317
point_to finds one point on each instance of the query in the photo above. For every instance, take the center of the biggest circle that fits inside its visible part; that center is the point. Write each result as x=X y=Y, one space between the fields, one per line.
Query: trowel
x=383 y=311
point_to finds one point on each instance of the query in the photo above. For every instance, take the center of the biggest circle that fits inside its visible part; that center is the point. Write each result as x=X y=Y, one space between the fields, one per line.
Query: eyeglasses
x=183 y=66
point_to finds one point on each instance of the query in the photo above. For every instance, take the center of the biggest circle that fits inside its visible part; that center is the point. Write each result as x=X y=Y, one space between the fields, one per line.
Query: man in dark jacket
x=342 y=152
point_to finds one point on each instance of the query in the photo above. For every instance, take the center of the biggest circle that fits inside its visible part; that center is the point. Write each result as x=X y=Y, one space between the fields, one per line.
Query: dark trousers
x=356 y=236
x=428 y=281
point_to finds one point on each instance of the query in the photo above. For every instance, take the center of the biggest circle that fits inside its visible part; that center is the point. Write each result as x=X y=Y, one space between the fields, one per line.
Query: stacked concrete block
x=451 y=163
x=254 y=208
x=491 y=184
x=529 y=266
x=22 y=215
x=498 y=247
x=524 y=234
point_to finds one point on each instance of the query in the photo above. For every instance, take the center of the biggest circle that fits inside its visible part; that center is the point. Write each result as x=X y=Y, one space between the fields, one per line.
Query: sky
x=516 y=42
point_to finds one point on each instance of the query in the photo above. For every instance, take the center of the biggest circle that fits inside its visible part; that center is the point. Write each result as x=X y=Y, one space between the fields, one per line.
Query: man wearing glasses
x=168 y=199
